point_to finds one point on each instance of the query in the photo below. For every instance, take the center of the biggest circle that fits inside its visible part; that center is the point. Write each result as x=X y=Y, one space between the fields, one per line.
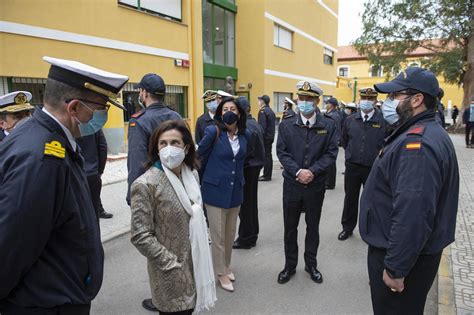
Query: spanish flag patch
x=133 y=124
x=54 y=148
x=413 y=146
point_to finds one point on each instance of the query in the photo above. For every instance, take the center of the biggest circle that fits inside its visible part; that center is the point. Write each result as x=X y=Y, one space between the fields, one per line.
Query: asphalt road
x=345 y=289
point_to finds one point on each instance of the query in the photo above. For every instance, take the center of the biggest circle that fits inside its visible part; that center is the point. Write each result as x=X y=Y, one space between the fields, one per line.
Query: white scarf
x=200 y=251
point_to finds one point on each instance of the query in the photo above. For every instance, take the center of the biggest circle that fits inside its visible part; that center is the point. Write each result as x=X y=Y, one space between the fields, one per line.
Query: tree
x=394 y=28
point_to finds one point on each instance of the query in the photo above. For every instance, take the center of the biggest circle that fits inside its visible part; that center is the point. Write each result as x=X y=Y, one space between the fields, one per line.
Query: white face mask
x=171 y=156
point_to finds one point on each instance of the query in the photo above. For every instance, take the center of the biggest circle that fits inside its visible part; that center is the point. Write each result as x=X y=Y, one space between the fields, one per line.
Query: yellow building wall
x=360 y=69
x=306 y=57
x=249 y=27
x=103 y=18
x=22 y=55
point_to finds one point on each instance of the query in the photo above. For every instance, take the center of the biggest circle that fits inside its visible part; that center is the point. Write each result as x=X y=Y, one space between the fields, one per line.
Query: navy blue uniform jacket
x=94 y=152
x=140 y=129
x=50 y=247
x=202 y=123
x=266 y=119
x=410 y=200
x=314 y=148
x=363 y=141
x=256 y=150
x=223 y=173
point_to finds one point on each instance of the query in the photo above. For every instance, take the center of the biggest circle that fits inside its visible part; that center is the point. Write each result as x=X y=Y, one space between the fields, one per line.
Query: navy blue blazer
x=222 y=173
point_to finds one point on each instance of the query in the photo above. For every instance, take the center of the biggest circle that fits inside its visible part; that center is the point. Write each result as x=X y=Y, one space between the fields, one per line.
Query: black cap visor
x=390 y=87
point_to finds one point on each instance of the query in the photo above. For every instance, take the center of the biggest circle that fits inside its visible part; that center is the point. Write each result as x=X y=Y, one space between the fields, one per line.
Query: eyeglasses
x=393 y=95
x=83 y=101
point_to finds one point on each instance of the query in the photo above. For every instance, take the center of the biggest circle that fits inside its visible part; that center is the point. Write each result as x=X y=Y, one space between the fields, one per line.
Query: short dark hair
x=157 y=98
x=241 y=123
x=56 y=93
x=180 y=125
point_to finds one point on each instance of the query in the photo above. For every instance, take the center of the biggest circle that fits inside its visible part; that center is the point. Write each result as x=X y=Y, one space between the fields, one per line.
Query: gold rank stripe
x=54 y=148
x=414 y=146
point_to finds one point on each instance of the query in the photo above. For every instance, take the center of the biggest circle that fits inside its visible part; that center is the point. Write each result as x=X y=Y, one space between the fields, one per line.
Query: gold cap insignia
x=20 y=98
x=306 y=86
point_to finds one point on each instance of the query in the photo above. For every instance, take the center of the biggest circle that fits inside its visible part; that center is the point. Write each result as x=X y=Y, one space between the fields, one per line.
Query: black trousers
x=354 y=177
x=248 y=227
x=67 y=309
x=417 y=284
x=469 y=132
x=268 y=166
x=295 y=198
x=331 y=179
x=95 y=187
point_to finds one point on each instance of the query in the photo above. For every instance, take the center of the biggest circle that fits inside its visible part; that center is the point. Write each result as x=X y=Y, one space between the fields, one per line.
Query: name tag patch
x=322 y=132
x=375 y=126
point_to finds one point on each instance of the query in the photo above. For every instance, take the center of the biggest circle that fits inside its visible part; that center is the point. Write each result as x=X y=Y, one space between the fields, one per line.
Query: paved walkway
x=462 y=250
x=459 y=261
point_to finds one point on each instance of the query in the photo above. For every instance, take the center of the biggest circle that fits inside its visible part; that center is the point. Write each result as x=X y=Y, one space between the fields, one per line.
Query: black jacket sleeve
x=101 y=150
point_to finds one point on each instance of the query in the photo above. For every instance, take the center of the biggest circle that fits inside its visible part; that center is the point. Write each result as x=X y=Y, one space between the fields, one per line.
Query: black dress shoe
x=241 y=245
x=148 y=305
x=285 y=275
x=316 y=276
x=105 y=215
x=264 y=179
x=344 y=235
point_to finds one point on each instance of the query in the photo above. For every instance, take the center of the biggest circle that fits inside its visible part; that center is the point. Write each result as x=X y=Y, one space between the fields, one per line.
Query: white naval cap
x=79 y=75
x=308 y=88
x=15 y=102
x=289 y=101
x=209 y=95
x=224 y=94
x=351 y=105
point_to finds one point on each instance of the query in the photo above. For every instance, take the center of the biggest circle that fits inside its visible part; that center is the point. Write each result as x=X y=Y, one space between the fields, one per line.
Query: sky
x=349 y=21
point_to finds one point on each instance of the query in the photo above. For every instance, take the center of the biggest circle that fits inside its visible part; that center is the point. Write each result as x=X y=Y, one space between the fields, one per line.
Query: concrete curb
x=115 y=234
x=446 y=302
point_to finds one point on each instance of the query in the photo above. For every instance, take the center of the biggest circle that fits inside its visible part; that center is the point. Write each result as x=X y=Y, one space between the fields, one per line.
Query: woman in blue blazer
x=222 y=152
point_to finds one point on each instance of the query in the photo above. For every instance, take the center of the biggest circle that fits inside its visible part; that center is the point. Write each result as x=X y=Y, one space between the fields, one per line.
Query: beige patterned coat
x=160 y=231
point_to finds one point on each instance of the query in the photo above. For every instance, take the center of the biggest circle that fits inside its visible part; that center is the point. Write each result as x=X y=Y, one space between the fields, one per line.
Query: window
x=175 y=97
x=282 y=37
x=214 y=84
x=376 y=71
x=35 y=86
x=279 y=99
x=343 y=71
x=218 y=34
x=167 y=8
x=328 y=56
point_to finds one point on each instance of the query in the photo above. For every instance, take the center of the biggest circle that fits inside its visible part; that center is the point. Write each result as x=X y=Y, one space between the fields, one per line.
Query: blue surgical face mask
x=389 y=110
x=212 y=106
x=98 y=120
x=306 y=107
x=366 y=105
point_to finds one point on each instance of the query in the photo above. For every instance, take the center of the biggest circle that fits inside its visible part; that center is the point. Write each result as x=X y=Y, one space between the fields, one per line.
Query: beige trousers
x=222 y=225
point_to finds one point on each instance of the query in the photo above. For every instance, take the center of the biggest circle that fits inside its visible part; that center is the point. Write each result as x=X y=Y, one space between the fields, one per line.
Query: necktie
x=307 y=123
x=366 y=117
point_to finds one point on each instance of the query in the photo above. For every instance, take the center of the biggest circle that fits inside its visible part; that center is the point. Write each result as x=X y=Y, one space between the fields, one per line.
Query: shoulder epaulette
x=416 y=130
x=136 y=115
